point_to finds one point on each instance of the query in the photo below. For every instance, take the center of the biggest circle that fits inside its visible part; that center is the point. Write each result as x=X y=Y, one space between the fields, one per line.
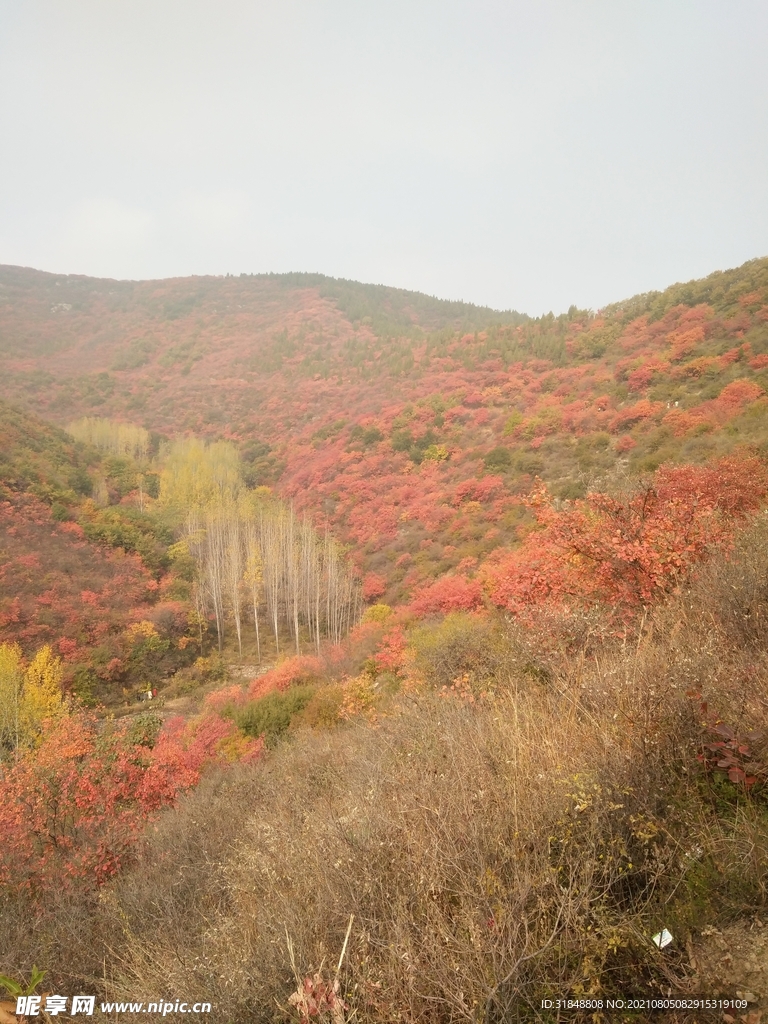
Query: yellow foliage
x=111 y=436
x=27 y=696
x=235 y=747
x=143 y=630
x=254 y=570
x=179 y=550
x=377 y=613
x=197 y=475
x=42 y=689
x=359 y=698
x=436 y=453
x=11 y=689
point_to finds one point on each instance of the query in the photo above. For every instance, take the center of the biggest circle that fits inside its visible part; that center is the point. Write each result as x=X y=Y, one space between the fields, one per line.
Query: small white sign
x=663 y=938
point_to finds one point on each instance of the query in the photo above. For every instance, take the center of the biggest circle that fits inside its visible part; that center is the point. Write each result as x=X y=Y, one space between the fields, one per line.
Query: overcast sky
x=523 y=155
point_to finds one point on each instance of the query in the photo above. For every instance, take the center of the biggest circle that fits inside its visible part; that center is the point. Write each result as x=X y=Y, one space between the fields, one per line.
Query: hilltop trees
x=372 y=416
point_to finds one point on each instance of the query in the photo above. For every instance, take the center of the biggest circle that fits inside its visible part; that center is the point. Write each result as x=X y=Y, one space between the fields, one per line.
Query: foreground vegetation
x=514 y=818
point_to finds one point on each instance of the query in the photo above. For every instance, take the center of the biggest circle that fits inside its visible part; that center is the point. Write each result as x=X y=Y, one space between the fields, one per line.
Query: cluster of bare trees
x=256 y=558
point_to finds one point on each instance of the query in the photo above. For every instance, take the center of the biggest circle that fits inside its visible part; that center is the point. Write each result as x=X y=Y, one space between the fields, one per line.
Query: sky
x=525 y=154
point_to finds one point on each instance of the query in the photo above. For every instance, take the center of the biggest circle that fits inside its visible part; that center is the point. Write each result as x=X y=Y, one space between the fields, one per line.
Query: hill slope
x=411 y=425
x=73 y=573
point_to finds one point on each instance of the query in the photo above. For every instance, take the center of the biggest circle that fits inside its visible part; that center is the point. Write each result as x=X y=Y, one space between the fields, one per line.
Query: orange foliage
x=448 y=594
x=628 y=552
x=73 y=808
x=299 y=668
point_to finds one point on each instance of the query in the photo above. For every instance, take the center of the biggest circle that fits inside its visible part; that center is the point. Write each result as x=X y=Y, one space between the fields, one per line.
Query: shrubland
x=506 y=809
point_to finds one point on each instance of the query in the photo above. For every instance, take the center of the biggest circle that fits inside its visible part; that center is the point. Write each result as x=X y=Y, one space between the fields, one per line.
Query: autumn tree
x=629 y=550
x=248 y=546
x=196 y=475
x=29 y=696
x=11 y=695
x=253 y=574
x=258 y=550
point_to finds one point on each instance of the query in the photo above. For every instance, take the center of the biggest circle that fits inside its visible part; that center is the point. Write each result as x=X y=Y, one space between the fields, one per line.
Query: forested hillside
x=453 y=621
x=60 y=586
x=411 y=425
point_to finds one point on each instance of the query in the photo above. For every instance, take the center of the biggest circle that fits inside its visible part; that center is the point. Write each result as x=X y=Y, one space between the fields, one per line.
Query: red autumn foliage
x=681 y=421
x=641 y=378
x=373 y=586
x=351 y=418
x=43 y=567
x=739 y=392
x=629 y=551
x=74 y=807
x=728 y=750
x=448 y=594
x=295 y=369
x=391 y=650
x=478 y=490
x=626 y=418
x=296 y=669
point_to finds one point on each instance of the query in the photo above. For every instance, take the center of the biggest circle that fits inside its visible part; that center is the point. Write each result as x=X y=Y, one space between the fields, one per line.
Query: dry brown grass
x=492 y=854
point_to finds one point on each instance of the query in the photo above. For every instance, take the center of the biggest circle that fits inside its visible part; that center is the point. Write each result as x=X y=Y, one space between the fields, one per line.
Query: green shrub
x=527 y=462
x=513 y=420
x=145 y=728
x=462 y=645
x=323 y=709
x=498 y=460
x=570 y=490
x=84 y=683
x=270 y=716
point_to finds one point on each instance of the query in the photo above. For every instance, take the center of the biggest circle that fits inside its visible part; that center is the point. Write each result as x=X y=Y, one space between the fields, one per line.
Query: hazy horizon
x=522 y=156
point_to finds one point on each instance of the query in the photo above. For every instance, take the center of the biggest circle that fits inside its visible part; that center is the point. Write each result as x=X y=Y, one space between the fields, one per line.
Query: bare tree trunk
x=271 y=534
x=215 y=565
x=254 y=573
x=233 y=567
x=294 y=574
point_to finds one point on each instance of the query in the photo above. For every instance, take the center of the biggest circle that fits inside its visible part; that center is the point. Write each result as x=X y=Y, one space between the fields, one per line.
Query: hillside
x=412 y=426
x=456 y=619
x=76 y=574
